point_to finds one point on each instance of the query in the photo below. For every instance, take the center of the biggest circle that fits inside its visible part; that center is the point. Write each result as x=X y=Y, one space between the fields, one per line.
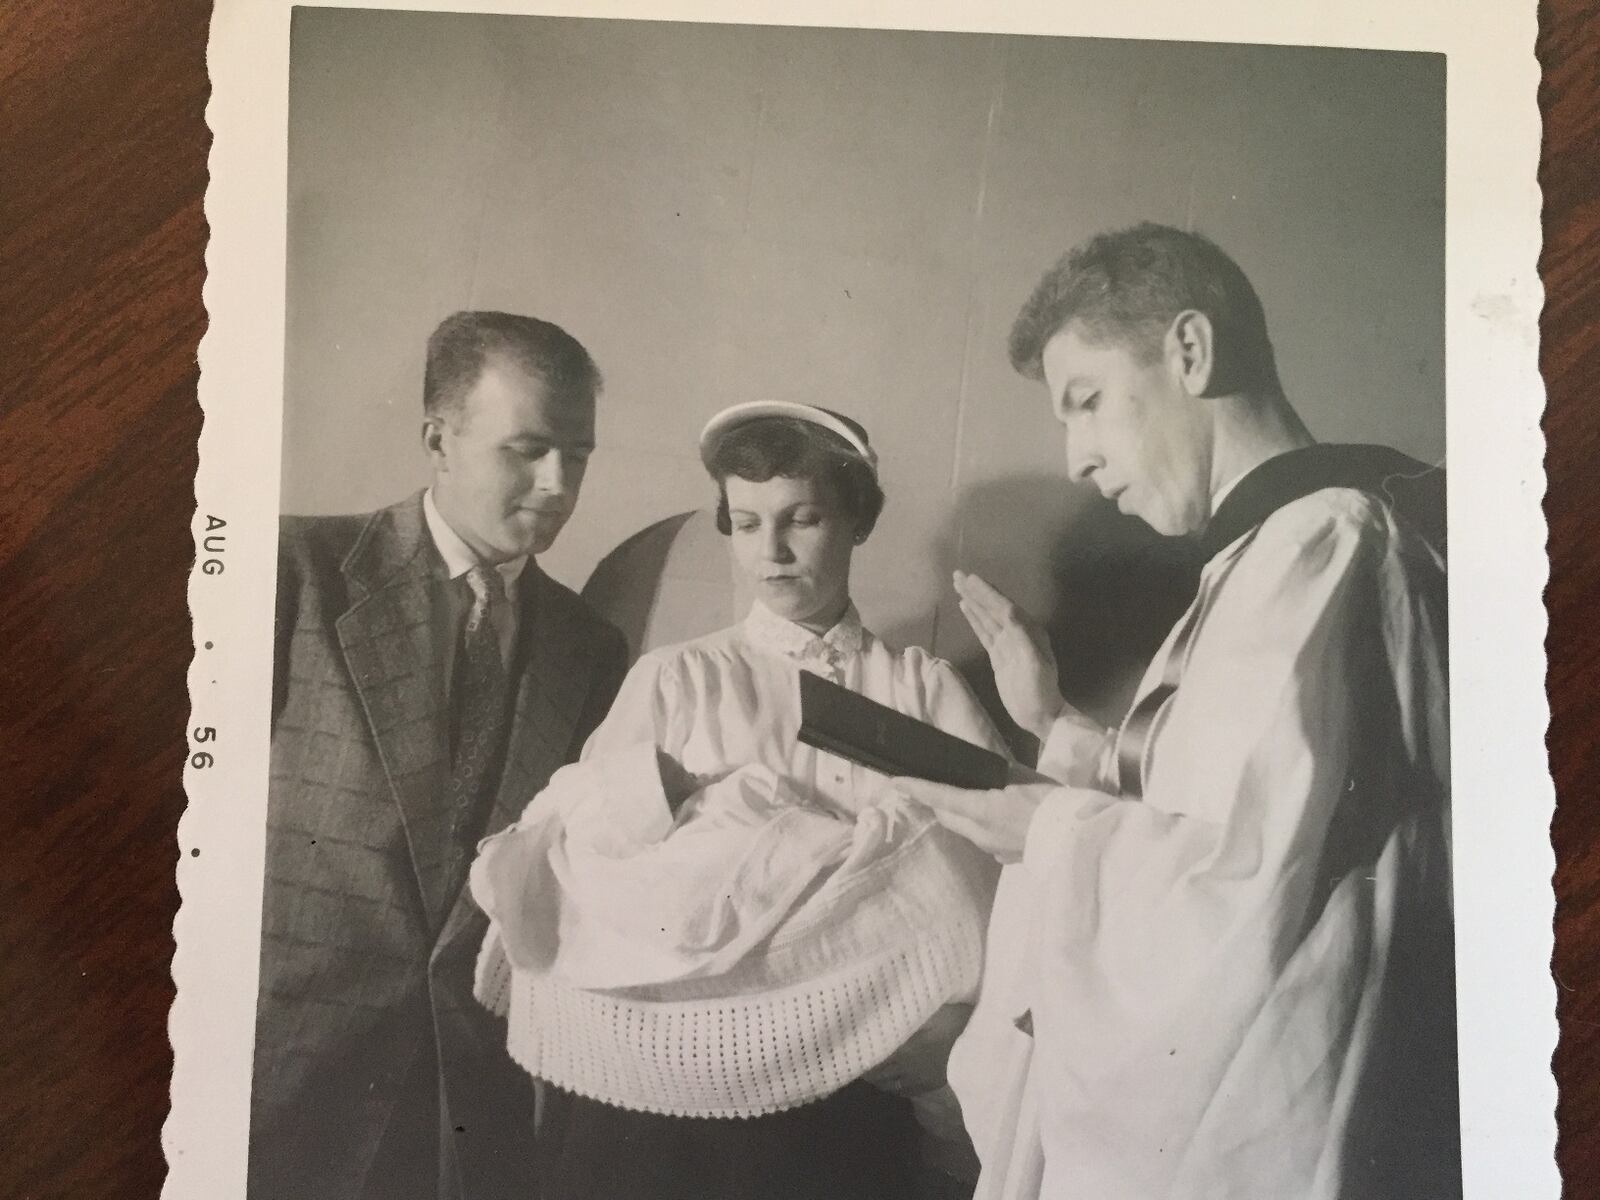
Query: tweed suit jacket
x=365 y=1016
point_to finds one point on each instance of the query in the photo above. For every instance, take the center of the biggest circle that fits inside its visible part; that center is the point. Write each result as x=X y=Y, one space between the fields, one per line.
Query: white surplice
x=1240 y=985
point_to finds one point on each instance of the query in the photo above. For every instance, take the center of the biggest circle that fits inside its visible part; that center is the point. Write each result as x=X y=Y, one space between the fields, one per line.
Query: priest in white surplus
x=1221 y=961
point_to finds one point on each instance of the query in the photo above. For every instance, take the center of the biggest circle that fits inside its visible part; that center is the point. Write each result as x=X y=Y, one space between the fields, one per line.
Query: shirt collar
x=771 y=632
x=1221 y=493
x=458 y=556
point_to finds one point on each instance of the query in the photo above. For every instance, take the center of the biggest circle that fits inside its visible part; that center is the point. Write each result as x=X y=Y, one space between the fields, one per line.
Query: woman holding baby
x=736 y=962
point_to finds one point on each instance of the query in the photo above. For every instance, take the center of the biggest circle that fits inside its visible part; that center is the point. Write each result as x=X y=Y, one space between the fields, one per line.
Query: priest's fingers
x=982 y=595
x=982 y=624
x=999 y=617
x=996 y=821
x=941 y=797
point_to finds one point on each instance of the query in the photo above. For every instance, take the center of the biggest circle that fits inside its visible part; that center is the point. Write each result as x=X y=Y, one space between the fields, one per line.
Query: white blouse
x=732 y=698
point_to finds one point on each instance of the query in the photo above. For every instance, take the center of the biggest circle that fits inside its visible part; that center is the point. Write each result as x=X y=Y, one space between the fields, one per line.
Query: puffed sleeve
x=1168 y=979
x=618 y=778
x=650 y=707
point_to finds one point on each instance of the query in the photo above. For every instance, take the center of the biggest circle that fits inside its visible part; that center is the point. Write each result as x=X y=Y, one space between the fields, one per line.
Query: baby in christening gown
x=705 y=917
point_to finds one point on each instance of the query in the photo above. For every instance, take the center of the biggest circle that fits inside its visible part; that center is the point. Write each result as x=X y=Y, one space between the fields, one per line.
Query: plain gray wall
x=723 y=213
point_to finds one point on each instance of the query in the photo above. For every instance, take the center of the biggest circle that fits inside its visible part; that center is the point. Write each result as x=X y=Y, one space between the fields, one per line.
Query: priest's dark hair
x=765 y=447
x=465 y=341
x=1127 y=287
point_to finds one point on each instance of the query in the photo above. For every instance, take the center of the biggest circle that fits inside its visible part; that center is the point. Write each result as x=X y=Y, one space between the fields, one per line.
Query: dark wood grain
x=102 y=174
x=1569 y=52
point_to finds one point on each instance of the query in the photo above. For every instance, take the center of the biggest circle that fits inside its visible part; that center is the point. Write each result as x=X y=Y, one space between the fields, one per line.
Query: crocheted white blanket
x=752 y=956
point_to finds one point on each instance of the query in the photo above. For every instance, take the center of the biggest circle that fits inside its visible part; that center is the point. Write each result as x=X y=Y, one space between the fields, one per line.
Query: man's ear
x=433 y=430
x=1192 y=350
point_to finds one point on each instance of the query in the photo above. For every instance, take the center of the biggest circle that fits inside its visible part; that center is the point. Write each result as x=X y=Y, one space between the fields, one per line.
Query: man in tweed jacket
x=377 y=1076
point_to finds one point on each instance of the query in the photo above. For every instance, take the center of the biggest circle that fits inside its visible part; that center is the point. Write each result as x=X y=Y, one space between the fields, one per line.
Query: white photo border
x=1503 y=798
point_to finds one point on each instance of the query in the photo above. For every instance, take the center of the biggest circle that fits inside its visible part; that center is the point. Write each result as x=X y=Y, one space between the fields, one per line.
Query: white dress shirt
x=455 y=598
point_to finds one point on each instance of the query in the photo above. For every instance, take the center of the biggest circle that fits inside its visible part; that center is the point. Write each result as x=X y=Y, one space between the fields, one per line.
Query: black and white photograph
x=855 y=614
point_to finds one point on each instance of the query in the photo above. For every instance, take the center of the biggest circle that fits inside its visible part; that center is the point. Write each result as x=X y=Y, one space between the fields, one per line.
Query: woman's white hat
x=731 y=418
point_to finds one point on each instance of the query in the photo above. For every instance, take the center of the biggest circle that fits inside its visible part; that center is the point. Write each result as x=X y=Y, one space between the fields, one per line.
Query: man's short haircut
x=1127 y=286
x=766 y=447
x=465 y=341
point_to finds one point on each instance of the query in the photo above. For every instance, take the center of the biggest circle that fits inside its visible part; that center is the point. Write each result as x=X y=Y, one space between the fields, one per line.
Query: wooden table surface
x=102 y=174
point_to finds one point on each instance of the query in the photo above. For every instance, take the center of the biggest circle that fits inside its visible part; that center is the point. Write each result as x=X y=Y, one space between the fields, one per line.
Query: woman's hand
x=996 y=821
x=1019 y=650
x=919 y=1065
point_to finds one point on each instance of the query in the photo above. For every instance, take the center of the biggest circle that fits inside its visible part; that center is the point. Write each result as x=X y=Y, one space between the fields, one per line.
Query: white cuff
x=1072 y=749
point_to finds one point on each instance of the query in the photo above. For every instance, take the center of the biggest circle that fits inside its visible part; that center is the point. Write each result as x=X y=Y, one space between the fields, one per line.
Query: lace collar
x=769 y=631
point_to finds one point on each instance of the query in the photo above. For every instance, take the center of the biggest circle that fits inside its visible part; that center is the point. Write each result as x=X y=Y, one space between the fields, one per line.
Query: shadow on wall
x=1107 y=588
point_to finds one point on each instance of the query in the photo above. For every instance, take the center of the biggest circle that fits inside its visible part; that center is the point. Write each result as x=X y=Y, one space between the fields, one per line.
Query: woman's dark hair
x=766 y=447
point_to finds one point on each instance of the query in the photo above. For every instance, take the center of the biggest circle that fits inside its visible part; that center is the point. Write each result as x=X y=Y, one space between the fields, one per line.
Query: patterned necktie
x=479 y=715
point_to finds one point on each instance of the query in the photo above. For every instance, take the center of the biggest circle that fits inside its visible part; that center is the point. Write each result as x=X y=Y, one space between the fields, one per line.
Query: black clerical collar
x=1411 y=486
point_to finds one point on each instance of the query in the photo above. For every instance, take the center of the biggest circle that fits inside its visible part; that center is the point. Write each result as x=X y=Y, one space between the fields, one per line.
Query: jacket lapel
x=387 y=636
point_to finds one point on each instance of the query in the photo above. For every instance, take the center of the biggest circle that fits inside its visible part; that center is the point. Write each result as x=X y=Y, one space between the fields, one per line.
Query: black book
x=842 y=722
